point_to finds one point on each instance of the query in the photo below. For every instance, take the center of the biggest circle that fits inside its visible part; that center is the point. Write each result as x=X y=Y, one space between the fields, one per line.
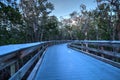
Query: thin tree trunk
x=118 y=31
x=41 y=37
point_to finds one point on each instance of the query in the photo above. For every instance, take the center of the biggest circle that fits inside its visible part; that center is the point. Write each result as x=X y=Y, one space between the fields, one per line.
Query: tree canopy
x=29 y=21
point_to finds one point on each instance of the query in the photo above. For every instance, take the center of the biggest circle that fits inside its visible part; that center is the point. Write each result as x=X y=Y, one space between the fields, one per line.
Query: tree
x=35 y=15
x=114 y=10
x=10 y=22
x=51 y=28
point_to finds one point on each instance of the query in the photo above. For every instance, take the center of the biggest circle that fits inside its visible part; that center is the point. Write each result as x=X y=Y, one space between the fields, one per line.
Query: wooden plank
x=34 y=71
x=28 y=51
x=114 y=54
x=6 y=57
x=100 y=43
x=6 y=60
x=116 y=64
x=12 y=69
x=21 y=72
x=8 y=63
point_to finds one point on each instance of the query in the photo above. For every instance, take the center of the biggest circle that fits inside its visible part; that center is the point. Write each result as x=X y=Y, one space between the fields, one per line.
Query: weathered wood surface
x=99 y=43
x=116 y=64
x=21 y=72
x=35 y=70
x=8 y=59
x=114 y=54
x=62 y=63
x=28 y=51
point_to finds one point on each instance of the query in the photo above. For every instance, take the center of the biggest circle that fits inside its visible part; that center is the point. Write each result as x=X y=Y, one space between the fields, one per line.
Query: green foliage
x=10 y=23
x=99 y=23
x=30 y=21
x=51 y=28
x=35 y=16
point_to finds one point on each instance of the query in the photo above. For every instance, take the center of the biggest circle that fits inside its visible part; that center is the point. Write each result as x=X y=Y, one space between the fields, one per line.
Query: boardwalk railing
x=19 y=62
x=109 y=50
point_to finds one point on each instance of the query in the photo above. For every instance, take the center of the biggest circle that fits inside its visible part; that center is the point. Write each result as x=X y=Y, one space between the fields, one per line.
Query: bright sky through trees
x=42 y=20
x=65 y=7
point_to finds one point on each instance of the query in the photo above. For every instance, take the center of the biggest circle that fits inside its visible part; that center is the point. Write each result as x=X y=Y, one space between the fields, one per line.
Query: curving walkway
x=62 y=63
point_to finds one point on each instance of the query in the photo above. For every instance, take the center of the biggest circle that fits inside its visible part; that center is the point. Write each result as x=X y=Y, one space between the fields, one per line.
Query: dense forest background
x=29 y=21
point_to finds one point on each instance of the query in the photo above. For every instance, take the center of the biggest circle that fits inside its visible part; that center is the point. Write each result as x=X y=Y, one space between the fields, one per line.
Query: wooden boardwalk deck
x=62 y=63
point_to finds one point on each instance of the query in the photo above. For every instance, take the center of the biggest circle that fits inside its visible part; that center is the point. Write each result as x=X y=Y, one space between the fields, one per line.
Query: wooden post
x=115 y=50
x=12 y=69
x=82 y=46
x=102 y=48
x=86 y=45
x=17 y=66
x=39 y=48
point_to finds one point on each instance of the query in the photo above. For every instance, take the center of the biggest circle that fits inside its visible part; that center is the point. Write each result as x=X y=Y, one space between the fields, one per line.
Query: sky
x=65 y=7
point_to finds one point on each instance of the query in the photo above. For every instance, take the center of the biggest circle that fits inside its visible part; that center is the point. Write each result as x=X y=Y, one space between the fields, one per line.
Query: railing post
x=115 y=50
x=86 y=45
x=12 y=69
x=102 y=48
x=17 y=66
x=82 y=46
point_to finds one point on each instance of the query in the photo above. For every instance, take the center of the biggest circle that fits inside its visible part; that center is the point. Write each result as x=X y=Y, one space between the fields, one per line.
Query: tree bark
x=41 y=36
x=118 y=30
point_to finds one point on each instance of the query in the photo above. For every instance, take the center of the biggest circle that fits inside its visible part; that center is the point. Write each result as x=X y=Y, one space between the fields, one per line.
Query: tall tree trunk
x=118 y=30
x=118 y=23
x=35 y=31
x=116 y=4
x=41 y=37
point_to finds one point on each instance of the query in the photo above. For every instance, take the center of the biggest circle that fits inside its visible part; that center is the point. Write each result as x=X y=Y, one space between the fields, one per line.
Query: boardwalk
x=62 y=63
